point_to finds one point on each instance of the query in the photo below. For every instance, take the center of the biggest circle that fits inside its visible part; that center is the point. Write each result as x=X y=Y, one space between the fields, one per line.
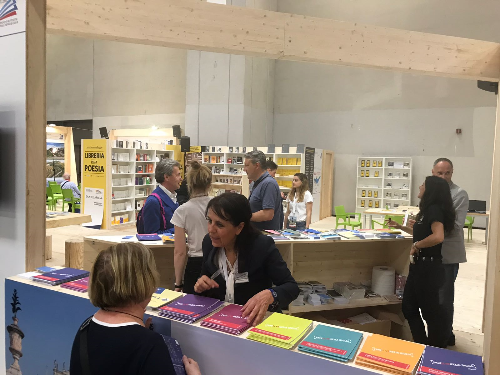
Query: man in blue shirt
x=67 y=184
x=265 y=198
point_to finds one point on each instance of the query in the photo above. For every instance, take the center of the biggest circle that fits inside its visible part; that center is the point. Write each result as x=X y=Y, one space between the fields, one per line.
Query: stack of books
x=64 y=275
x=331 y=342
x=190 y=308
x=81 y=285
x=390 y=355
x=227 y=320
x=161 y=297
x=281 y=330
x=446 y=362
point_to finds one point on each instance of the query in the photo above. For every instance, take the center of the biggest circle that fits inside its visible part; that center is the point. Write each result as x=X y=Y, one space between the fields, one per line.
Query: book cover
x=61 y=276
x=190 y=304
x=176 y=355
x=148 y=237
x=282 y=327
x=332 y=342
x=45 y=269
x=438 y=361
x=229 y=316
x=391 y=353
x=81 y=285
x=163 y=296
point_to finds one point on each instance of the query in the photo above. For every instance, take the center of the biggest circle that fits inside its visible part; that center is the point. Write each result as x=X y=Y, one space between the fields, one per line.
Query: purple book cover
x=446 y=362
x=229 y=316
x=61 y=276
x=81 y=285
x=190 y=305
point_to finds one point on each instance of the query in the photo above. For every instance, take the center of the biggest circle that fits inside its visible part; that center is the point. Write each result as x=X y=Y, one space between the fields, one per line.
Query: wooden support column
x=35 y=133
x=492 y=296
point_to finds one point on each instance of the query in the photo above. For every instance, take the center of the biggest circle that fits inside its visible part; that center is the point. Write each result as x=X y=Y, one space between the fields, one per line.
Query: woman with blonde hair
x=300 y=203
x=189 y=219
x=116 y=341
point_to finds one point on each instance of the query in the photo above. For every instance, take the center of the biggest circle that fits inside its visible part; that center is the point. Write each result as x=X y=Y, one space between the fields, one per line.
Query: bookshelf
x=383 y=182
x=227 y=162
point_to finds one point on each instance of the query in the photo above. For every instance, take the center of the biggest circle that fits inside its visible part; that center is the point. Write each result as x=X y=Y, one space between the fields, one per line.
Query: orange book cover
x=392 y=353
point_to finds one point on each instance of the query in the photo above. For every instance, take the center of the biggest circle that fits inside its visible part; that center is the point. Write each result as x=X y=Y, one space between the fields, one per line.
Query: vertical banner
x=309 y=166
x=178 y=155
x=94 y=160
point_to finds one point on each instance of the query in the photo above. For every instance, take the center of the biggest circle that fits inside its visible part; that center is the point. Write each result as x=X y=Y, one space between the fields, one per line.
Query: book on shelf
x=391 y=355
x=332 y=342
x=280 y=330
x=61 y=276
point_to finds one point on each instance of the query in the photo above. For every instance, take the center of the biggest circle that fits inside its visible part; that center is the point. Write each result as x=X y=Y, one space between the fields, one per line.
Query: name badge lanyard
x=229 y=277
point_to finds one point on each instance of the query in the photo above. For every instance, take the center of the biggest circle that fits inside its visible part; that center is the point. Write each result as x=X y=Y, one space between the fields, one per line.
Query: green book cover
x=281 y=328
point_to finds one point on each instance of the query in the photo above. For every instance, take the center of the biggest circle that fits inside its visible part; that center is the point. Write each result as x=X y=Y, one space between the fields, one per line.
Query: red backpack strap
x=161 y=209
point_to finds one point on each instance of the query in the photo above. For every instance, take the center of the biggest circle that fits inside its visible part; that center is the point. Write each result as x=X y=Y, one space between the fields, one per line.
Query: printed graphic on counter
x=34 y=348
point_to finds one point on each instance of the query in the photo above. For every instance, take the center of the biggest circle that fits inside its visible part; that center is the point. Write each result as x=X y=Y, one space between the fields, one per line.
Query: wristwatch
x=276 y=302
x=178 y=286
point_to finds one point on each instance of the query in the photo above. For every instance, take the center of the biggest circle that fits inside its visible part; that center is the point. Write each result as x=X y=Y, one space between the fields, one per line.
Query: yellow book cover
x=281 y=327
x=163 y=296
x=392 y=353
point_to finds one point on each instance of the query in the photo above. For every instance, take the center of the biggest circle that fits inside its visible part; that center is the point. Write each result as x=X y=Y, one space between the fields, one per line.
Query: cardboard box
x=381 y=326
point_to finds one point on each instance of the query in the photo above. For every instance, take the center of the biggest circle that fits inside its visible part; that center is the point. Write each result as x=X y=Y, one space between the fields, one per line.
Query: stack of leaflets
x=61 y=276
x=331 y=342
x=176 y=355
x=190 y=308
x=390 y=355
x=445 y=362
x=330 y=235
x=161 y=297
x=227 y=320
x=148 y=237
x=81 y=285
x=275 y=235
x=281 y=330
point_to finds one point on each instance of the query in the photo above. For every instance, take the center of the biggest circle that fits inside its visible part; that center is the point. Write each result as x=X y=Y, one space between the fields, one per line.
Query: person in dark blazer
x=168 y=176
x=249 y=262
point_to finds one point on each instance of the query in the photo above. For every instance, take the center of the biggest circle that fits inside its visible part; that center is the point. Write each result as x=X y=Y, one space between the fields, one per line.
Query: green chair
x=346 y=217
x=56 y=194
x=397 y=219
x=75 y=202
x=469 y=220
x=49 y=202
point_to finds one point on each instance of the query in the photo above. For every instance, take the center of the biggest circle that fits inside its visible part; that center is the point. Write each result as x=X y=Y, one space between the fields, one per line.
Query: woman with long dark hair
x=300 y=204
x=243 y=263
x=421 y=296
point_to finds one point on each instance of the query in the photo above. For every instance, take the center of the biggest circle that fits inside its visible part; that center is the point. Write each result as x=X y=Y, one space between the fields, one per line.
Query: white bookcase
x=383 y=182
x=132 y=181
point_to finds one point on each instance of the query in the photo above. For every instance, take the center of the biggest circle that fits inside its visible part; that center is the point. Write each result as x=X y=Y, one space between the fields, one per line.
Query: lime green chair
x=469 y=220
x=56 y=194
x=346 y=218
x=49 y=202
x=397 y=219
x=75 y=202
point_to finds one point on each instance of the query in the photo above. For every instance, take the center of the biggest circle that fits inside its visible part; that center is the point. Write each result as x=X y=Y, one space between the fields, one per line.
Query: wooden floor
x=469 y=293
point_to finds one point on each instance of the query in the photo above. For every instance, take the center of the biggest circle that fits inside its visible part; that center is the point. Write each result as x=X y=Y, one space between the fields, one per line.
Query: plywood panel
x=195 y=24
x=35 y=133
x=191 y=24
x=326 y=185
x=327 y=41
x=492 y=294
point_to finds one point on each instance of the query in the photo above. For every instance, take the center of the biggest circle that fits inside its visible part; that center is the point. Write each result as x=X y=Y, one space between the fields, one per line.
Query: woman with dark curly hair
x=421 y=297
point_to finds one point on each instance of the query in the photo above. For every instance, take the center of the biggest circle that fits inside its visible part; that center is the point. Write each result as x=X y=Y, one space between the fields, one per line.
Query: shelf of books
x=383 y=182
x=227 y=164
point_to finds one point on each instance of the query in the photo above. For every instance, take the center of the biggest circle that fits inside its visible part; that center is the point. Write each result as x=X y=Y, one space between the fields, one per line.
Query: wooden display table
x=68 y=218
x=321 y=260
x=400 y=211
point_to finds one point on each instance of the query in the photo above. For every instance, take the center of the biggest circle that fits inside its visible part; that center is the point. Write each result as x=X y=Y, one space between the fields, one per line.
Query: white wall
x=115 y=83
x=13 y=165
x=360 y=112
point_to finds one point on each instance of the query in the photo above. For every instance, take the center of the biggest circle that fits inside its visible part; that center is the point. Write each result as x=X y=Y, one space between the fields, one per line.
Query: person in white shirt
x=300 y=203
x=190 y=219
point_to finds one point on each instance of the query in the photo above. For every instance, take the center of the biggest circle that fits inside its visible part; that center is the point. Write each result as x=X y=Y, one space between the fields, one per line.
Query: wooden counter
x=68 y=218
x=321 y=260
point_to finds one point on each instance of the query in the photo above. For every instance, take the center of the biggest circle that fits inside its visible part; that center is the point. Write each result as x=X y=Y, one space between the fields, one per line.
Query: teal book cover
x=332 y=342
